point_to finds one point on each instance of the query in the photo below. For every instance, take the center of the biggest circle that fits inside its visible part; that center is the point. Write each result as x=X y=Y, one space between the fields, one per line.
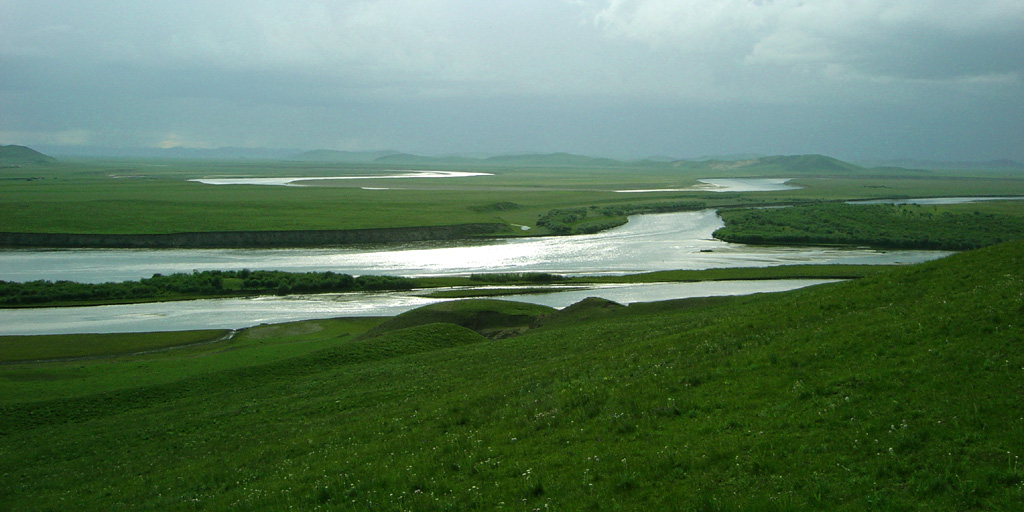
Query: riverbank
x=250 y=239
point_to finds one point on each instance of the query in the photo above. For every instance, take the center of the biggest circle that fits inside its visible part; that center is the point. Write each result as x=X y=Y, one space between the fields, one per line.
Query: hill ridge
x=15 y=156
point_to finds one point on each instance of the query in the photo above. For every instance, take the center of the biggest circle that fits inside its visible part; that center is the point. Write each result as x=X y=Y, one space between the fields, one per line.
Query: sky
x=853 y=79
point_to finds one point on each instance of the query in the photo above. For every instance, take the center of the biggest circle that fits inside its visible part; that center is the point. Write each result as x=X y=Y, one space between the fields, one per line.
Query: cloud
x=60 y=138
x=411 y=73
x=893 y=38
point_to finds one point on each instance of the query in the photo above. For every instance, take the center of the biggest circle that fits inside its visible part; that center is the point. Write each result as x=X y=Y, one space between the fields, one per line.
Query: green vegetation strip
x=139 y=197
x=73 y=346
x=235 y=283
x=900 y=391
x=212 y=283
x=903 y=227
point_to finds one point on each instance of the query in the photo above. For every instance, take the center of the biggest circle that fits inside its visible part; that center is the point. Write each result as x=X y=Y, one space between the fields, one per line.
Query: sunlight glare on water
x=647 y=243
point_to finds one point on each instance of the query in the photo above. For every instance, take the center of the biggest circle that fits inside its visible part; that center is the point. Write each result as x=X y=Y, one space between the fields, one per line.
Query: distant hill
x=785 y=164
x=174 y=153
x=327 y=155
x=523 y=160
x=553 y=159
x=17 y=156
x=726 y=158
x=808 y=163
x=989 y=165
x=410 y=159
x=228 y=153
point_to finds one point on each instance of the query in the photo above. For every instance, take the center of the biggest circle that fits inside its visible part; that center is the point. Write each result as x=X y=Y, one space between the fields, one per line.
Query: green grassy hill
x=16 y=156
x=899 y=391
x=485 y=316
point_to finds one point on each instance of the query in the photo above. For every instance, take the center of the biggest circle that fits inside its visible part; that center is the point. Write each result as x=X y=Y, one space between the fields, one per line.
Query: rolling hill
x=17 y=156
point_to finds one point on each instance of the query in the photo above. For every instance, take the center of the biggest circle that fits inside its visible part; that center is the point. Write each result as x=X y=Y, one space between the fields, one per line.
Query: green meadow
x=904 y=227
x=155 y=196
x=899 y=389
x=896 y=391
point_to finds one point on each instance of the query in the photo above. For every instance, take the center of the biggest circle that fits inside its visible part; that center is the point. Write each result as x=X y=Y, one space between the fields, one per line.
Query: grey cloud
x=933 y=39
x=624 y=76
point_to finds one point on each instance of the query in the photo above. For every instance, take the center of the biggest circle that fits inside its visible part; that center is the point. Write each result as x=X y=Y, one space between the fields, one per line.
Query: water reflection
x=647 y=243
x=727 y=185
x=243 y=312
x=299 y=180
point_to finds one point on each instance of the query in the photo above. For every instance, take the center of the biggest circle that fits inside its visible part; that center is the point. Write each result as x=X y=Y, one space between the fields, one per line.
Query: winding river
x=647 y=243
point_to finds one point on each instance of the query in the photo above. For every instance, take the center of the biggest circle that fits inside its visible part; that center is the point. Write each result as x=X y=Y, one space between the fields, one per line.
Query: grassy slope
x=14 y=348
x=900 y=391
x=14 y=156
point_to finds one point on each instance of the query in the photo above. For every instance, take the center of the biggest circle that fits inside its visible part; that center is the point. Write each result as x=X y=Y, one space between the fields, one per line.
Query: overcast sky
x=855 y=79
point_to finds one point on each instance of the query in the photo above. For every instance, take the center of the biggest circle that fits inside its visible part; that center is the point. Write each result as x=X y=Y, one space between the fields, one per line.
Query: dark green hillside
x=482 y=315
x=899 y=391
x=16 y=156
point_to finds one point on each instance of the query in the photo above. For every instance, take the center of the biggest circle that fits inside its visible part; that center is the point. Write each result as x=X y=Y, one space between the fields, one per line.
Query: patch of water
x=298 y=180
x=237 y=313
x=727 y=185
x=646 y=243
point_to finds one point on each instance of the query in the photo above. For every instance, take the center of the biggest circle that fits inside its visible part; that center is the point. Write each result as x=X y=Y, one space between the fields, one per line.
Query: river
x=647 y=243
x=242 y=312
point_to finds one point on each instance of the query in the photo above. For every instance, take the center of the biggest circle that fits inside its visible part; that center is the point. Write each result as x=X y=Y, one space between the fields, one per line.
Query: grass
x=154 y=196
x=15 y=349
x=899 y=391
x=904 y=227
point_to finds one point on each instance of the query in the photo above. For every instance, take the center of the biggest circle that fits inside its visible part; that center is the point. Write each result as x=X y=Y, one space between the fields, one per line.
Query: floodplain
x=895 y=389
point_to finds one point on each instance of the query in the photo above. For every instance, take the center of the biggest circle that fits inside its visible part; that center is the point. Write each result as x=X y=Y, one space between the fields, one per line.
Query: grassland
x=155 y=196
x=904 y=227
x=898 y=391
